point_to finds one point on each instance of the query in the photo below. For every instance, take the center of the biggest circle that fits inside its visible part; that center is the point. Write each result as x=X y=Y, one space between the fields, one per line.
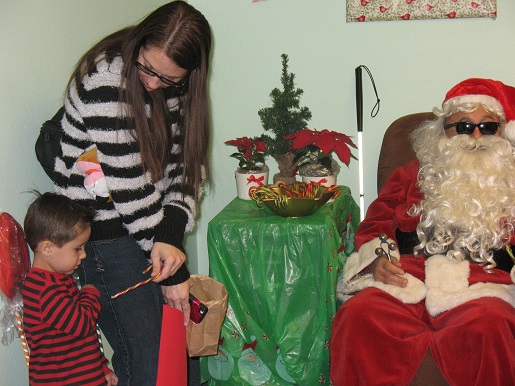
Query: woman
x=139 y=99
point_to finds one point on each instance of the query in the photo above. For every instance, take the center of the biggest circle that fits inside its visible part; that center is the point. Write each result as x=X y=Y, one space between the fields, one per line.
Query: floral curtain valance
x=376 y=10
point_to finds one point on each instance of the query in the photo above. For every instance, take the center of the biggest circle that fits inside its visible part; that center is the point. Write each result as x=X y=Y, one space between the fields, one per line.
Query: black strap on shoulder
x=48 y=143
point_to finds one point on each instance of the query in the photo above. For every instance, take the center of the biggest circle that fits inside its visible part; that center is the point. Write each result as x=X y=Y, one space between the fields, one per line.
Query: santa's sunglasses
x=486 y=128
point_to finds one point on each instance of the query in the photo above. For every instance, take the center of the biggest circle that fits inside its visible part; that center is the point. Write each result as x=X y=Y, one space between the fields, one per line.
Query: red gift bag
x=172 y=366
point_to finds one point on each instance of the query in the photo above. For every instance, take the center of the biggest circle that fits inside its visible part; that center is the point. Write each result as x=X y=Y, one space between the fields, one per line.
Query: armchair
x=396 y=150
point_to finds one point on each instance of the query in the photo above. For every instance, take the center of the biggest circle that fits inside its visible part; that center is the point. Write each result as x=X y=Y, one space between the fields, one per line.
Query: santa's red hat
x=488 y=92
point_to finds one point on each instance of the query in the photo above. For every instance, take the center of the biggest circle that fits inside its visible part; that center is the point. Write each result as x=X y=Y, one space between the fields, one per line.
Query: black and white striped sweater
x=148 y=211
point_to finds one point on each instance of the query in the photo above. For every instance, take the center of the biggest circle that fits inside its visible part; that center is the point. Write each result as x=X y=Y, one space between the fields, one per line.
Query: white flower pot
x=245 y=179
x=322 y=180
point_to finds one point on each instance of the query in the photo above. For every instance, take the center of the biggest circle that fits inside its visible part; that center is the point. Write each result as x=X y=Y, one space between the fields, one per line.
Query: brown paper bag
x=202 y=338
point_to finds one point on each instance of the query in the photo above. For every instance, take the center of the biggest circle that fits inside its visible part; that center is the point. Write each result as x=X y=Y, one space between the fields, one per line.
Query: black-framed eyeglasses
x=486 y=128
x=147 y=71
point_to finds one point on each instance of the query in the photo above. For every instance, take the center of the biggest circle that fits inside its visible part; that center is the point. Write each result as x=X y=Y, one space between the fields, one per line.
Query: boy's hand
x=112 y=379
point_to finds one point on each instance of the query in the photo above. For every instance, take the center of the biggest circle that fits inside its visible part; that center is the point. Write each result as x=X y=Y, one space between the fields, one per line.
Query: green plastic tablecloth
x=281 y=275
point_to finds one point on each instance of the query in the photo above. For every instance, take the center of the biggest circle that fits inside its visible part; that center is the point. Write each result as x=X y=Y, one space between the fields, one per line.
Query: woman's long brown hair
x=184 y=35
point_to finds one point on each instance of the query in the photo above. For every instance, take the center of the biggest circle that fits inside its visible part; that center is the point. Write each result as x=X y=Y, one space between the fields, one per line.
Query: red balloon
x=14 y=256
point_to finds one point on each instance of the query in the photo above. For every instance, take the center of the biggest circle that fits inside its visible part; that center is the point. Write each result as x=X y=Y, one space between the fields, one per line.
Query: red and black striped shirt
x=60 y=324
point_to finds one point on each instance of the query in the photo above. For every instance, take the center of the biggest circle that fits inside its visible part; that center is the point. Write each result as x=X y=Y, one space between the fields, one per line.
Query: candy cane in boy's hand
x=22 y=338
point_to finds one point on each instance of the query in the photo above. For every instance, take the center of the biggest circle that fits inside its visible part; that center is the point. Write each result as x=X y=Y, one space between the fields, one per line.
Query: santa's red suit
x=464 y=315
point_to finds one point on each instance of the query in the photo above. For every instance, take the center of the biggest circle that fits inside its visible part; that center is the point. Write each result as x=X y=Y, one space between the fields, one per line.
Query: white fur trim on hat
x=509 y=132
x=485 y=100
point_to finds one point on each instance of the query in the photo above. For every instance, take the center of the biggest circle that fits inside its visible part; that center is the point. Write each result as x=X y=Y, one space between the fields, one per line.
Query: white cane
x=359 y=114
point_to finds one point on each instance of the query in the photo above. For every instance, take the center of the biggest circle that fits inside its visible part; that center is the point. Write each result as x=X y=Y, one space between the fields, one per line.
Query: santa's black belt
x=407 y=241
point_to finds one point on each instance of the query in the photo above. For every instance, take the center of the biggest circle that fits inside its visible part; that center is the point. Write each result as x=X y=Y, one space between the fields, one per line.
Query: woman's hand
x=165 y=259
x=178 y=296
x=388 y=272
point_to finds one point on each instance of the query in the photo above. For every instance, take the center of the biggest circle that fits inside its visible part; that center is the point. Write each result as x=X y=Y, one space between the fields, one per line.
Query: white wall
x=414 y=64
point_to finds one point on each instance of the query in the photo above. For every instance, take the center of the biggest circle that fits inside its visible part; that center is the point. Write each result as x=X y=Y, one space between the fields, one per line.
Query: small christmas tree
x=283 y=118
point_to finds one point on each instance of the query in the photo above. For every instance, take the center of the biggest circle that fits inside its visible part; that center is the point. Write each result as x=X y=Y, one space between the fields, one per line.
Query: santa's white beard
x=469 y=197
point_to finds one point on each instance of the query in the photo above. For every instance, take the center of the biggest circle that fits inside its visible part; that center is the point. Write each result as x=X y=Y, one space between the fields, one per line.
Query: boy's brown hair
x=55 y=218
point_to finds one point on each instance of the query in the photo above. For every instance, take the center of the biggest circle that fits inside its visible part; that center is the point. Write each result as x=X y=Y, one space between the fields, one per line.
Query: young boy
x=59 y=320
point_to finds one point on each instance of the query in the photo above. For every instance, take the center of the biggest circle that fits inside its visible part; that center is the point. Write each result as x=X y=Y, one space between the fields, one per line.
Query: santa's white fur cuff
x=447 y=285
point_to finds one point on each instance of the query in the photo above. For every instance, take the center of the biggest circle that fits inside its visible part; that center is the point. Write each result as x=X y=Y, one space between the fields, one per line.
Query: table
x=281 y=275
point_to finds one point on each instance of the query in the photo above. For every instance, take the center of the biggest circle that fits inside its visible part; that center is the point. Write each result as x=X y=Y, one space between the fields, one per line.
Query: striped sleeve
x=73 y=315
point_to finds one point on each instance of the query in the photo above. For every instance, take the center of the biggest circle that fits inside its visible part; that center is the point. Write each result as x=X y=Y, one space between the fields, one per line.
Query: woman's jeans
x=131 y=322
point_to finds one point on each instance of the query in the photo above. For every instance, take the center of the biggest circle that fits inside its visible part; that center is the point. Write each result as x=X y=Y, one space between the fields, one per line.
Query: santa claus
x=446 y=293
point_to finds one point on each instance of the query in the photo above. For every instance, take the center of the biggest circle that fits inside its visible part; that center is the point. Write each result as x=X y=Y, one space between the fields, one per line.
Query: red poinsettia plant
x=251 y=152
x=314 y=147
